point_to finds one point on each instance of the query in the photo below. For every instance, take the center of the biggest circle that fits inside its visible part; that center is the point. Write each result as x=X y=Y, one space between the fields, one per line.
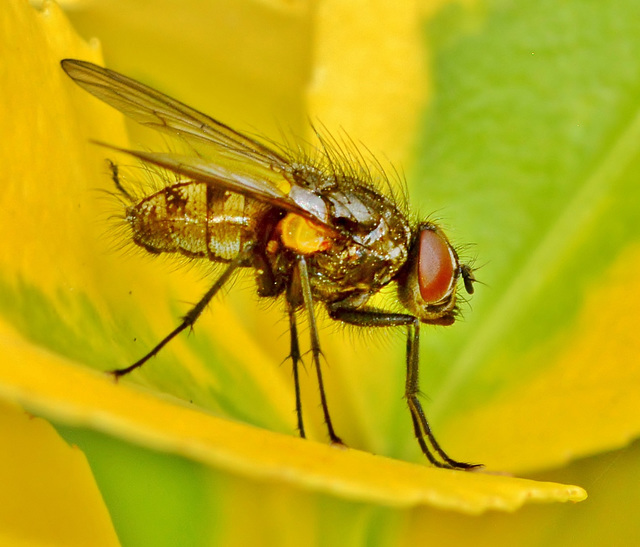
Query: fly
x=312 y=230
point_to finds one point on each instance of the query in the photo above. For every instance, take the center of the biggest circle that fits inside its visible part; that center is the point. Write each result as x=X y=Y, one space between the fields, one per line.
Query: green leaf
x=531 y=150
x=49 y=495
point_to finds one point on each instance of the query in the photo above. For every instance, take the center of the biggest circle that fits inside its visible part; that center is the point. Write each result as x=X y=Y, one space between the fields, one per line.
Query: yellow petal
x=48 y=494
x=56 y=388
x=61 y=259
x=368 y=75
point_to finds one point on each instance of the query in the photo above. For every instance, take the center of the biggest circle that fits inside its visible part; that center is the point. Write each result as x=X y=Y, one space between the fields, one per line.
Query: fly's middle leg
x=315 y=345
x=379 y=318
x=296 y=358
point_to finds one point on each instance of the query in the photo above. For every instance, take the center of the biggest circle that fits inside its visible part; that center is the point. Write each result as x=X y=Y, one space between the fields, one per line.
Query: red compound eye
x=436 y=266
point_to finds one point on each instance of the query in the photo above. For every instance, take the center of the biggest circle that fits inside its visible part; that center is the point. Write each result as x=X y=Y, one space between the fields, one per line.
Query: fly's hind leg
x=190 y=318
x=115 y=177
x=421 y=427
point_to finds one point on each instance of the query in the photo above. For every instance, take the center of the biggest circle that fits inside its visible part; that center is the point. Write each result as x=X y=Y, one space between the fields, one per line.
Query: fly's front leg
x=190 y=318
x=315 y=344
x=420 y=423
x=421 y=427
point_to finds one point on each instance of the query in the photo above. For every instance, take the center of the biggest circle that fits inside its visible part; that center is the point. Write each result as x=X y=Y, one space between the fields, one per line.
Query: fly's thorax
x=195 y=220
x=369 y=246
x=364 y=262
x=312 y=177
x=380 y=236
x=361 y=244
x=427 y=286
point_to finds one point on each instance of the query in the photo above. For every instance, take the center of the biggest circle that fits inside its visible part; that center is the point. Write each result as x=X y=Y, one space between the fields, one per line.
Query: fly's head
x=428 y=283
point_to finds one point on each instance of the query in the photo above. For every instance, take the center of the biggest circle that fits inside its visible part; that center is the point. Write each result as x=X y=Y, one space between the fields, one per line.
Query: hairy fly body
x=312 y=230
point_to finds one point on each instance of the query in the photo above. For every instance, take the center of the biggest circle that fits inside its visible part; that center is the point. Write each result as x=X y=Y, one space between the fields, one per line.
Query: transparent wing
x=264 y=185
x=238 y=163
x=159 y=111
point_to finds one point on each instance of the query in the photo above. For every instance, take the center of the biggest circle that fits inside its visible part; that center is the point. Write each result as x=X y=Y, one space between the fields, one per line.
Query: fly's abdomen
x=193 y=219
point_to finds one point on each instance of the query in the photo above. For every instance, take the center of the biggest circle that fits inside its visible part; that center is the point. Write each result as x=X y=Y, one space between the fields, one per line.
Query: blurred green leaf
x=530 y=150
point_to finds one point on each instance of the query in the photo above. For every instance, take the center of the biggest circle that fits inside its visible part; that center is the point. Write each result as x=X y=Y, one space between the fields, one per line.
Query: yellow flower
x=518 y=129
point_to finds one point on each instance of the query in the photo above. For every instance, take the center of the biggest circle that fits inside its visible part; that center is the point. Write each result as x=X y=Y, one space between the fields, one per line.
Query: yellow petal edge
x=49 y=386
x=48 y=495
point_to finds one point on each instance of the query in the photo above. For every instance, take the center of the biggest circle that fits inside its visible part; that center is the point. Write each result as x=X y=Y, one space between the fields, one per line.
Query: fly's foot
x=337 y=441
x=468 y=466
x=117 y=373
